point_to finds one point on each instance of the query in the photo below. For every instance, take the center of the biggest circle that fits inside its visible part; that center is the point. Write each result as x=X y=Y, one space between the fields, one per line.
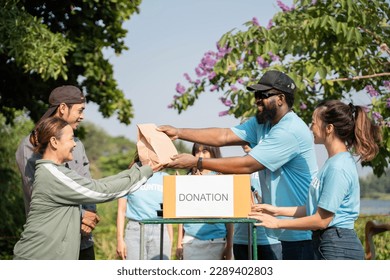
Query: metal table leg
x=254 y=228
x=250 y=237
x=162 y=242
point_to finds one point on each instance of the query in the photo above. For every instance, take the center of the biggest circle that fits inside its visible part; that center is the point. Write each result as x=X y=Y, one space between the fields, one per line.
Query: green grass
x=105 y=234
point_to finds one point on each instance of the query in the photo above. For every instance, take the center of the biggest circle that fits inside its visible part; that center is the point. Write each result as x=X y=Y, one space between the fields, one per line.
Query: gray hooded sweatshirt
x=52 y=230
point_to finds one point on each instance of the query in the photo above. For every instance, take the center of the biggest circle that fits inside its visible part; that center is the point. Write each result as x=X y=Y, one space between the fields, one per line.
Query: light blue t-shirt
x=206 y=231
x=336 y=189
x=144 y=203
x=241 y=229
x=287 y=152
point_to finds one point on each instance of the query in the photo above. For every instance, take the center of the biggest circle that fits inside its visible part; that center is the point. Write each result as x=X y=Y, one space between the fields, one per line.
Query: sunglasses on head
x=265 y=94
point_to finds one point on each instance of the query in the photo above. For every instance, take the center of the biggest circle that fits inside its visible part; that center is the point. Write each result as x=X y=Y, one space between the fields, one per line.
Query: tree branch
x=361 y=77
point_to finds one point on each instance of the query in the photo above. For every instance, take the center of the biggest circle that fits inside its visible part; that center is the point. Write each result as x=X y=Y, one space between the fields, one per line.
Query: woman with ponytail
x=334 y=196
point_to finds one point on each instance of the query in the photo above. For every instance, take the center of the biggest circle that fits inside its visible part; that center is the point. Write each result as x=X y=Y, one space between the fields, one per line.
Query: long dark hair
x=351 y=125
x=215 y=152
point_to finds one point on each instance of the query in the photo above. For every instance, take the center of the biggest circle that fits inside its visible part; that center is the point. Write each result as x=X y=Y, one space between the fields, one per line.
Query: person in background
x=205 y=241
x=267 y=248
x=282 y=152
x=137 y=206
x=68 y=103
x=334 y=195
x=52 y=229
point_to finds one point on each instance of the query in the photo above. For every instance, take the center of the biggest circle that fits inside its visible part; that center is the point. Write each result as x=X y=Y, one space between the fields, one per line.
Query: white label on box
x=207 y=196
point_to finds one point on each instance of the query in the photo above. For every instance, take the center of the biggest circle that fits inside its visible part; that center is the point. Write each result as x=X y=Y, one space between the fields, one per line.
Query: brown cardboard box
x=211 y=196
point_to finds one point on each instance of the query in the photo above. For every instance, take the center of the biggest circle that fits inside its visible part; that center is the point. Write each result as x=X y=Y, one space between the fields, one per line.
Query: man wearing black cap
x=282 y=152
x=68 y=103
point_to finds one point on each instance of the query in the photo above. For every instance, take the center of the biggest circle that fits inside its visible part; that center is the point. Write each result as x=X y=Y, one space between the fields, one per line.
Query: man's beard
x=268 y=114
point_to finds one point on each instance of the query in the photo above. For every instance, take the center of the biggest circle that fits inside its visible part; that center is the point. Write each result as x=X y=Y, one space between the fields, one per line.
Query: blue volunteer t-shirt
x=336 y=189
x=144 y=203
x=287 y=152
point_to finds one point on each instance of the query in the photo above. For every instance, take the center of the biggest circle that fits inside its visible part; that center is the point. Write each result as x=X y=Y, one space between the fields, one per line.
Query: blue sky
x=167 y=39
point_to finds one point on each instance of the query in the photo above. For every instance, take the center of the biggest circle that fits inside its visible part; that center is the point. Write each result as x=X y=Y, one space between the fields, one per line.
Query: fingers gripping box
x=212 y=196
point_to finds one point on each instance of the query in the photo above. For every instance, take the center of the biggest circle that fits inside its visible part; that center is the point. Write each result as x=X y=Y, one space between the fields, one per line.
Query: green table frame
x=252 y=231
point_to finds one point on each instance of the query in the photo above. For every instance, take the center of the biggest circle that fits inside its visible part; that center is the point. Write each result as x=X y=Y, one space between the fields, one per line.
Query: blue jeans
x=337 y=244
x=151 y=239
x=297 y=250
x=264 y=252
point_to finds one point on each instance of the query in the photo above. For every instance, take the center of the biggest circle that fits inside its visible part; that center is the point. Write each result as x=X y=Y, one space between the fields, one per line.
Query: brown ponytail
x=352 y=126
x=367 y=136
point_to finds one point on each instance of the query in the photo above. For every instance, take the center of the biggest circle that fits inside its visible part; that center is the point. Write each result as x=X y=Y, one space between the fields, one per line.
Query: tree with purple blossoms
x=332 y=50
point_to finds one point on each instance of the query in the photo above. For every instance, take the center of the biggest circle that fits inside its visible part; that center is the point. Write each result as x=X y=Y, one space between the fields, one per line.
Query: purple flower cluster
x=303 y=106
x=377 y=116
x=270 y=23
x=223 y=113
x=284 y=7
x=188 y=78
x=371 y=91
x=222 y=51
x=226 y=101
x=205 y=68
x=386 y=84
x=206 y=64
x=261 y=61
x=255 y=21
x=180 y=88
x=233 y=88
x=214 y=87
x=274 y=57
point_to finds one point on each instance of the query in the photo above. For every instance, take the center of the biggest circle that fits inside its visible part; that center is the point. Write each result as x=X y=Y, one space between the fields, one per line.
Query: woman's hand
x=227 y=253
x=179 y=253
x=121 y=249
x=265 y=220
x=265 y=208
x=157 y=167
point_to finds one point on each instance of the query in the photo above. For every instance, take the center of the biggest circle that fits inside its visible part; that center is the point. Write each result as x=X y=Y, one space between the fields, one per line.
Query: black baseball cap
x=63 y=94
x=274 y=79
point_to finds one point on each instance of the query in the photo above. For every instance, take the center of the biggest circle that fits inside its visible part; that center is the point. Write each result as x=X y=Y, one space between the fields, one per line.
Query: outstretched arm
x=229 y=165
x=213 y=136
x=320 y=220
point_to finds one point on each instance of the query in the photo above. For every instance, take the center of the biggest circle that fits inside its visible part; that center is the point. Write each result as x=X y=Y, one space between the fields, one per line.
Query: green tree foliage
x=11 y=195
x=332 y=49
x=45 y=44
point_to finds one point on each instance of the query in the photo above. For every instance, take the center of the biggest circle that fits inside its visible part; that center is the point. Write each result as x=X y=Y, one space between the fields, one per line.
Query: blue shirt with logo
x=286 y=149
x=336 y=189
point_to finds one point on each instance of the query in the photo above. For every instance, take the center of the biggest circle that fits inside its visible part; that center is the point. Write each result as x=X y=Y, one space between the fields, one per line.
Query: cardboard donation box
x=210 y=196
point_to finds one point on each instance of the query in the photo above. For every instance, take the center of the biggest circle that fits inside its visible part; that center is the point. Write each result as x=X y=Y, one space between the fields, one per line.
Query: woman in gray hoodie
x=52 y=230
